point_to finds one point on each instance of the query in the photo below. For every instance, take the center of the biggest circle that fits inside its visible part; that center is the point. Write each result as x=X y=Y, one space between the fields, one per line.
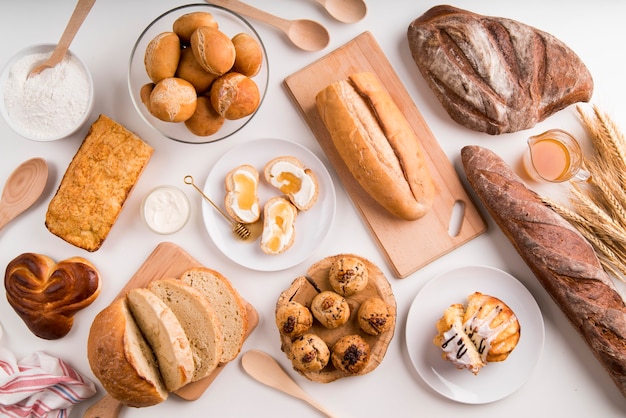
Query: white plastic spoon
x=266 y=370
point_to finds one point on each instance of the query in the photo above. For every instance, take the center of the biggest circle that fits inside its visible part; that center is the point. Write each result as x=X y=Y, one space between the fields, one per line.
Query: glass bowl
x=31 y=106
x=231 y=24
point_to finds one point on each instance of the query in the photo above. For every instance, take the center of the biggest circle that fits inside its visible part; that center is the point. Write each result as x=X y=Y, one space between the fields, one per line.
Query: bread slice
x=198 y=319
x=289 y=175
x=279 y=218
x=122 y=360
x=242 y=199
x=165 y=335
x=230 y=308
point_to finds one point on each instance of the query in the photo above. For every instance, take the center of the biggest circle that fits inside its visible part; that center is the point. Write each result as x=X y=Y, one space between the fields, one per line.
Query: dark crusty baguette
x=493 y=74
x=561 y=259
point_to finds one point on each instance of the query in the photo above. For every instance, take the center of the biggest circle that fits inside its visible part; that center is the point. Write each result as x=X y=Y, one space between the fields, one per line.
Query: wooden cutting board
x=166 y=260
x=407 y=245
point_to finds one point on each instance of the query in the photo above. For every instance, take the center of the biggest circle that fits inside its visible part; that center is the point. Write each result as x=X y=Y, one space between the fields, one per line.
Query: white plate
x=311 y=226
x=496 y=380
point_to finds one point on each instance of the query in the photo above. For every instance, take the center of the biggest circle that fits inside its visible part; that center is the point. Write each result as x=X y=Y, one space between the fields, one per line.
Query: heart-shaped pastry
x=47 y=295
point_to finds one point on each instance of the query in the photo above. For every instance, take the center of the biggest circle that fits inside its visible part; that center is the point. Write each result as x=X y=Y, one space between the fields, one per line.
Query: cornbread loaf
x=199 y=322
x=297 y=182
x=561 y=259
x=377 y=144
x=47 y=295
x=122 y=360
x=165 y=335
x=96 y=184
x=242 y=199
x=227 y=303
x=493 y=74
x=279 y=218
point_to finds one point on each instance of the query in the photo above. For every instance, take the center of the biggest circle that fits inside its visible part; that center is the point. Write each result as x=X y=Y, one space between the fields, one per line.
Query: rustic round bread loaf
x=186 y=24
x=248 y=55
x=213 y=49
x=235 y=96
x=122 y=360
x=162 y=56
x=173 y=100
x=205 y=120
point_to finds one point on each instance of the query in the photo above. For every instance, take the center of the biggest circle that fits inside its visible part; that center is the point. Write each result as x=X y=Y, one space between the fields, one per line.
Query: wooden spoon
x=22 y=189
x=345 y=11
x=76 y=20
x=266 y=370
x=304 y=33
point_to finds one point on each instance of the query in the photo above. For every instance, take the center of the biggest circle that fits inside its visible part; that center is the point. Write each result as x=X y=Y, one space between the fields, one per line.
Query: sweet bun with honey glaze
x=296 y=181
x=279 y=217
x=242 y=199
x=377 y=144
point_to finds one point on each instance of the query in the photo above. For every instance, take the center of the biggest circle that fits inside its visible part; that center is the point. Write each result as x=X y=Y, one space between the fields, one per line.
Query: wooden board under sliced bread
x=114 y=363
x=193 y=309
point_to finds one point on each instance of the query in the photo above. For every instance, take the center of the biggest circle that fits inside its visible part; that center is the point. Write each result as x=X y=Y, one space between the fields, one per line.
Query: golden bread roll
x=213 y=49
x=122 y=360
x=235 y=96
x=96 y=184
x=293 y=319
x=186 y=24
x=279 y=217
x=162 y=55
x=190 y=70
x=348 y=275
x=205 y=120
x=144 y=94
x=47 y=295
x=330 y=309
x=173 y=100
x=296 y=181
x=309 y=353
x=350 y=353
x=377 y=144
x=375 y=316
x=248 y=55
x=242 y=199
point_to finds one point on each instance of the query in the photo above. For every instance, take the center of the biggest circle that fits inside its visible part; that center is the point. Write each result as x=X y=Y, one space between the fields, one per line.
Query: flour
x=50 y=104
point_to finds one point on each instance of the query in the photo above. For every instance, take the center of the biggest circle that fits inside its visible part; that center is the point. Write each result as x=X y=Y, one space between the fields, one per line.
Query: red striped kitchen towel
x=40 y=386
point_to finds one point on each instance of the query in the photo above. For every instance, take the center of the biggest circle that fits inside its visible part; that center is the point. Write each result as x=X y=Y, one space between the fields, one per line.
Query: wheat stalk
x=598 y=208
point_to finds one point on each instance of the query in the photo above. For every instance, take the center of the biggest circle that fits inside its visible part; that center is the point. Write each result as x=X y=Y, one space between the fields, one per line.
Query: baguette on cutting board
x=562 y=260
x=377 y=144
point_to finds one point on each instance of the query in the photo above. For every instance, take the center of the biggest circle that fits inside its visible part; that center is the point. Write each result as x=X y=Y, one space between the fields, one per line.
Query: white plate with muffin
x=485 y=355
x=308 y=227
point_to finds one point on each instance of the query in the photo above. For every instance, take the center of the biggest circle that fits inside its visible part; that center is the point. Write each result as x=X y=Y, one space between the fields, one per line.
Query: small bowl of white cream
x=48 y=106
x=165 y=209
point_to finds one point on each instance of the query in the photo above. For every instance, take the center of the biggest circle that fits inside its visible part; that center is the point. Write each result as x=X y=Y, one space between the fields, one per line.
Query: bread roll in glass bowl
x=159 y=90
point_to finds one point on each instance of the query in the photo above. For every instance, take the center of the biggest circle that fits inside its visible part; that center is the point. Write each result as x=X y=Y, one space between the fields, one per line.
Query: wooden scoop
x=76 y=20
x=262 y=367
x=345 y=11
x=304 y=33
x=22 y=189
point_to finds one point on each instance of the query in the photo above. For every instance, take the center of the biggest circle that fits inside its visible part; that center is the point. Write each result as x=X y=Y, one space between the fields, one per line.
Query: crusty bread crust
x=561 y=259
x=377 y=144
x=122 y=360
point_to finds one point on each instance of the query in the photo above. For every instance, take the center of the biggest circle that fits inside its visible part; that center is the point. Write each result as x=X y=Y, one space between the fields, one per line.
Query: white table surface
x=568 y=381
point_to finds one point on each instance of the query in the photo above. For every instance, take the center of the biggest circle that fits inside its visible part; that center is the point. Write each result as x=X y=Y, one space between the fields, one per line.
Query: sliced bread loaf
x=228 y=304
x=165 y=335
x=198 y=319
x=121 y=359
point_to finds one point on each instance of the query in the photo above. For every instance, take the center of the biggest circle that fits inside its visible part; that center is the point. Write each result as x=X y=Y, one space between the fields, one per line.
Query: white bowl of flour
x=51 y=105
